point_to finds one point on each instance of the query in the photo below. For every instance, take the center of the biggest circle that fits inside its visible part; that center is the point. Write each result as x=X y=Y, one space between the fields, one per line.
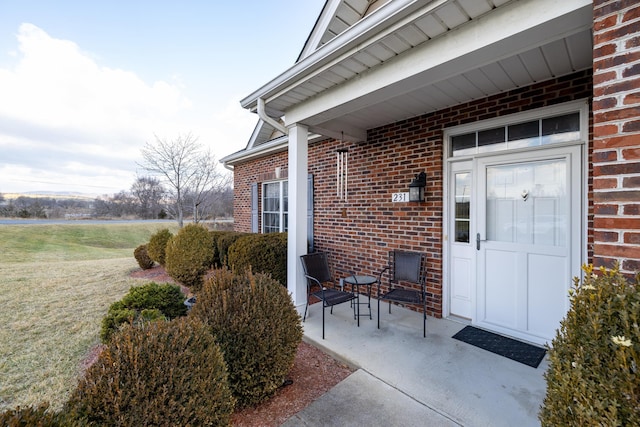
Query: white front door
x=527 y=240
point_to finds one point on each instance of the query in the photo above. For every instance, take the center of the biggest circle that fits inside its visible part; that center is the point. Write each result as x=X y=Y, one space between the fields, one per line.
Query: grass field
x=56 y=284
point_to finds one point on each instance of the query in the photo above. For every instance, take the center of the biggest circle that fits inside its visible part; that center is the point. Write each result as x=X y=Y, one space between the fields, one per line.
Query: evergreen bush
x=225 y=241
x=258 y=329
x=263 y=253
x=216 y=235
x=160 y=374
x=144 y=303
x=189 y=255
x=141 y=255
x=31 y=417
x=157 y=245
x=593 y=377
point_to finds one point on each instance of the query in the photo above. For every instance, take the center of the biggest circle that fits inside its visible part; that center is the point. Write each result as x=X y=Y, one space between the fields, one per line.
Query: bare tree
x=206 y=182
x=188 y=171
x=149 y=193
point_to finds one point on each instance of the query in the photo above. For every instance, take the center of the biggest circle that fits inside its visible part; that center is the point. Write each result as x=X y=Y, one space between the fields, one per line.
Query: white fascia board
x=512 y=28
x=254 y=134
x=343 y=45
x=325 y=18
x=274 y=146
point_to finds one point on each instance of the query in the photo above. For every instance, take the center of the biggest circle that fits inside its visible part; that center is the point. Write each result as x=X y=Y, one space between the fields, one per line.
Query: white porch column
x=297 y=238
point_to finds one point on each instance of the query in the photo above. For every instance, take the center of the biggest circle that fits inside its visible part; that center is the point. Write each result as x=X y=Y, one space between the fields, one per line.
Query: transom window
x=548 y=130
x=275 y=206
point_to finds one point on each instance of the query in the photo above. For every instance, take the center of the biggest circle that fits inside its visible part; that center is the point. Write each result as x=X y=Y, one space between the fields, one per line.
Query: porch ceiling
x=452 y=49
x=557 y=58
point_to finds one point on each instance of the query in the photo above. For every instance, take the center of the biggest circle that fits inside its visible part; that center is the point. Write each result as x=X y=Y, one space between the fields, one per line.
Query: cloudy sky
x=85 y=84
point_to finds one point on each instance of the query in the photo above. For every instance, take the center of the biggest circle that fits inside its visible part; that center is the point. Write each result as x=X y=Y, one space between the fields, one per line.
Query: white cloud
x=60 y=108
x=233 y=126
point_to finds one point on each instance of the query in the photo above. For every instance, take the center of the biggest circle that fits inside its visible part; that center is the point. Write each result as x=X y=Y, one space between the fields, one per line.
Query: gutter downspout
x=263 y=115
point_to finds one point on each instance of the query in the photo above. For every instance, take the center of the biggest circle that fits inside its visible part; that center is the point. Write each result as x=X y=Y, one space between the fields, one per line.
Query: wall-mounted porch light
x=416 y=188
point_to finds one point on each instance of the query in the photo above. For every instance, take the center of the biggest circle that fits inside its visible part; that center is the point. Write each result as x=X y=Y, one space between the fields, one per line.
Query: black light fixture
x=416 y=188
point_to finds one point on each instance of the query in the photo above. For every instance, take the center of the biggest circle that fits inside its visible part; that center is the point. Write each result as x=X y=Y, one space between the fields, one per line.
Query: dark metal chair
x=406 y=282
x=322 y=285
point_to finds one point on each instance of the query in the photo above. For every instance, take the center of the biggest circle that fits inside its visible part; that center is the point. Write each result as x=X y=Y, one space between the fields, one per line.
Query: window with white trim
x=530 y=133
x=275 y=206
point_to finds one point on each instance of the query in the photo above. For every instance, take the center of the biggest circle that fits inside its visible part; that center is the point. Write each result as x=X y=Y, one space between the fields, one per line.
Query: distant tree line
x=42 y=207
x=146 y=199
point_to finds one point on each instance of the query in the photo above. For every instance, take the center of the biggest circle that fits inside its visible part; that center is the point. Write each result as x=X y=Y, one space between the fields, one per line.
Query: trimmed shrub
x=264 y=253
x=157 y=245
x=190 y=255
x=225 y=242
x=593 y=376
x=160 y=374
x=29 y=416
x=258 y=329
x=142 y=256
x=144 y=303
x=216 y=235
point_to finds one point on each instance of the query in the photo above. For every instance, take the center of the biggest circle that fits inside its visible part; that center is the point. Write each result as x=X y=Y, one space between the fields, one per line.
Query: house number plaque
x=400 y=197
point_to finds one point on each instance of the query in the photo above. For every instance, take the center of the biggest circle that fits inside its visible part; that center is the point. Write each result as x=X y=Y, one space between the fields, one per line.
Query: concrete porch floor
x=403 y=379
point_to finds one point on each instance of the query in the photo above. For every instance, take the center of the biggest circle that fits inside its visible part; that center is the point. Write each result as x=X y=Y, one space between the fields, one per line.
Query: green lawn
x=56 y=284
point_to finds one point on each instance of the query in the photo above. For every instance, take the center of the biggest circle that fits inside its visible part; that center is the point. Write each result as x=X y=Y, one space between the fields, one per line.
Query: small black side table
x=357 y=281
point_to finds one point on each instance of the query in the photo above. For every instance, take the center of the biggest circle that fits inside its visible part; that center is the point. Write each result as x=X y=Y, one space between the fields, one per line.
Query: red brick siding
x=359 y=232
x=246 y=174
x=616 y=115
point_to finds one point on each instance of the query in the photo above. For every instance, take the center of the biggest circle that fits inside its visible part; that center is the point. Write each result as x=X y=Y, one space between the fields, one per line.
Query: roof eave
x=274 y=146
x=365 y=29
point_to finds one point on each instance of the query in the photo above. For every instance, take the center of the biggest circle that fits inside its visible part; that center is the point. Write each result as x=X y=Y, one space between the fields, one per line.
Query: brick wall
x=616 y=116
x=246 y=174
x=359 y=232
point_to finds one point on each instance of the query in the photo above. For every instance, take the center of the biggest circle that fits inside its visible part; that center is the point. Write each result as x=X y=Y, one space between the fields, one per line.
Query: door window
x=527 y=203
x=462 y=206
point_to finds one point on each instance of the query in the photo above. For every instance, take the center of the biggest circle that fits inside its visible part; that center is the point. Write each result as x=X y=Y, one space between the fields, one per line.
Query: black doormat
x=528 y=354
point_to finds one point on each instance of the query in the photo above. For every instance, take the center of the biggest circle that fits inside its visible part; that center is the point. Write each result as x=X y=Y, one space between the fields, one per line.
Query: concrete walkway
x=403 y=379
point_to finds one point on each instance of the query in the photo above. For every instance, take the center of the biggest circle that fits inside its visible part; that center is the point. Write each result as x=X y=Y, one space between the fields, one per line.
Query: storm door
x=527 y=240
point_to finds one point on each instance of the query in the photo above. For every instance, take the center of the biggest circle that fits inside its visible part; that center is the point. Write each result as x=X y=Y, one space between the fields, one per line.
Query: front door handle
x=478 y=241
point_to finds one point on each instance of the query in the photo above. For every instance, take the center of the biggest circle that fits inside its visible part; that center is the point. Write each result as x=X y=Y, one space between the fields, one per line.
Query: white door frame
x=579 y=254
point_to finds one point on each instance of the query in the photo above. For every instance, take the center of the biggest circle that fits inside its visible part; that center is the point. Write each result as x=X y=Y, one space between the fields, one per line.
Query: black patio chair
x=406 y=282
x=321 y=284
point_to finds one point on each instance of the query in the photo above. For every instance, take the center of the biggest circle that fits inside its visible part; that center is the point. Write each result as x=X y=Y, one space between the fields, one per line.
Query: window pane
x=524 y=134
x=272 y=190
x=527 y=203
x=271 y=222
x=561 y=124
x=462 y=204
x=491 y=136
x=561 y=128
x=463 y=144
x=524 y=130
x=462 y=231
x=272 y=197
x=492 y=140
x=285 y=196
x=271 y=205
